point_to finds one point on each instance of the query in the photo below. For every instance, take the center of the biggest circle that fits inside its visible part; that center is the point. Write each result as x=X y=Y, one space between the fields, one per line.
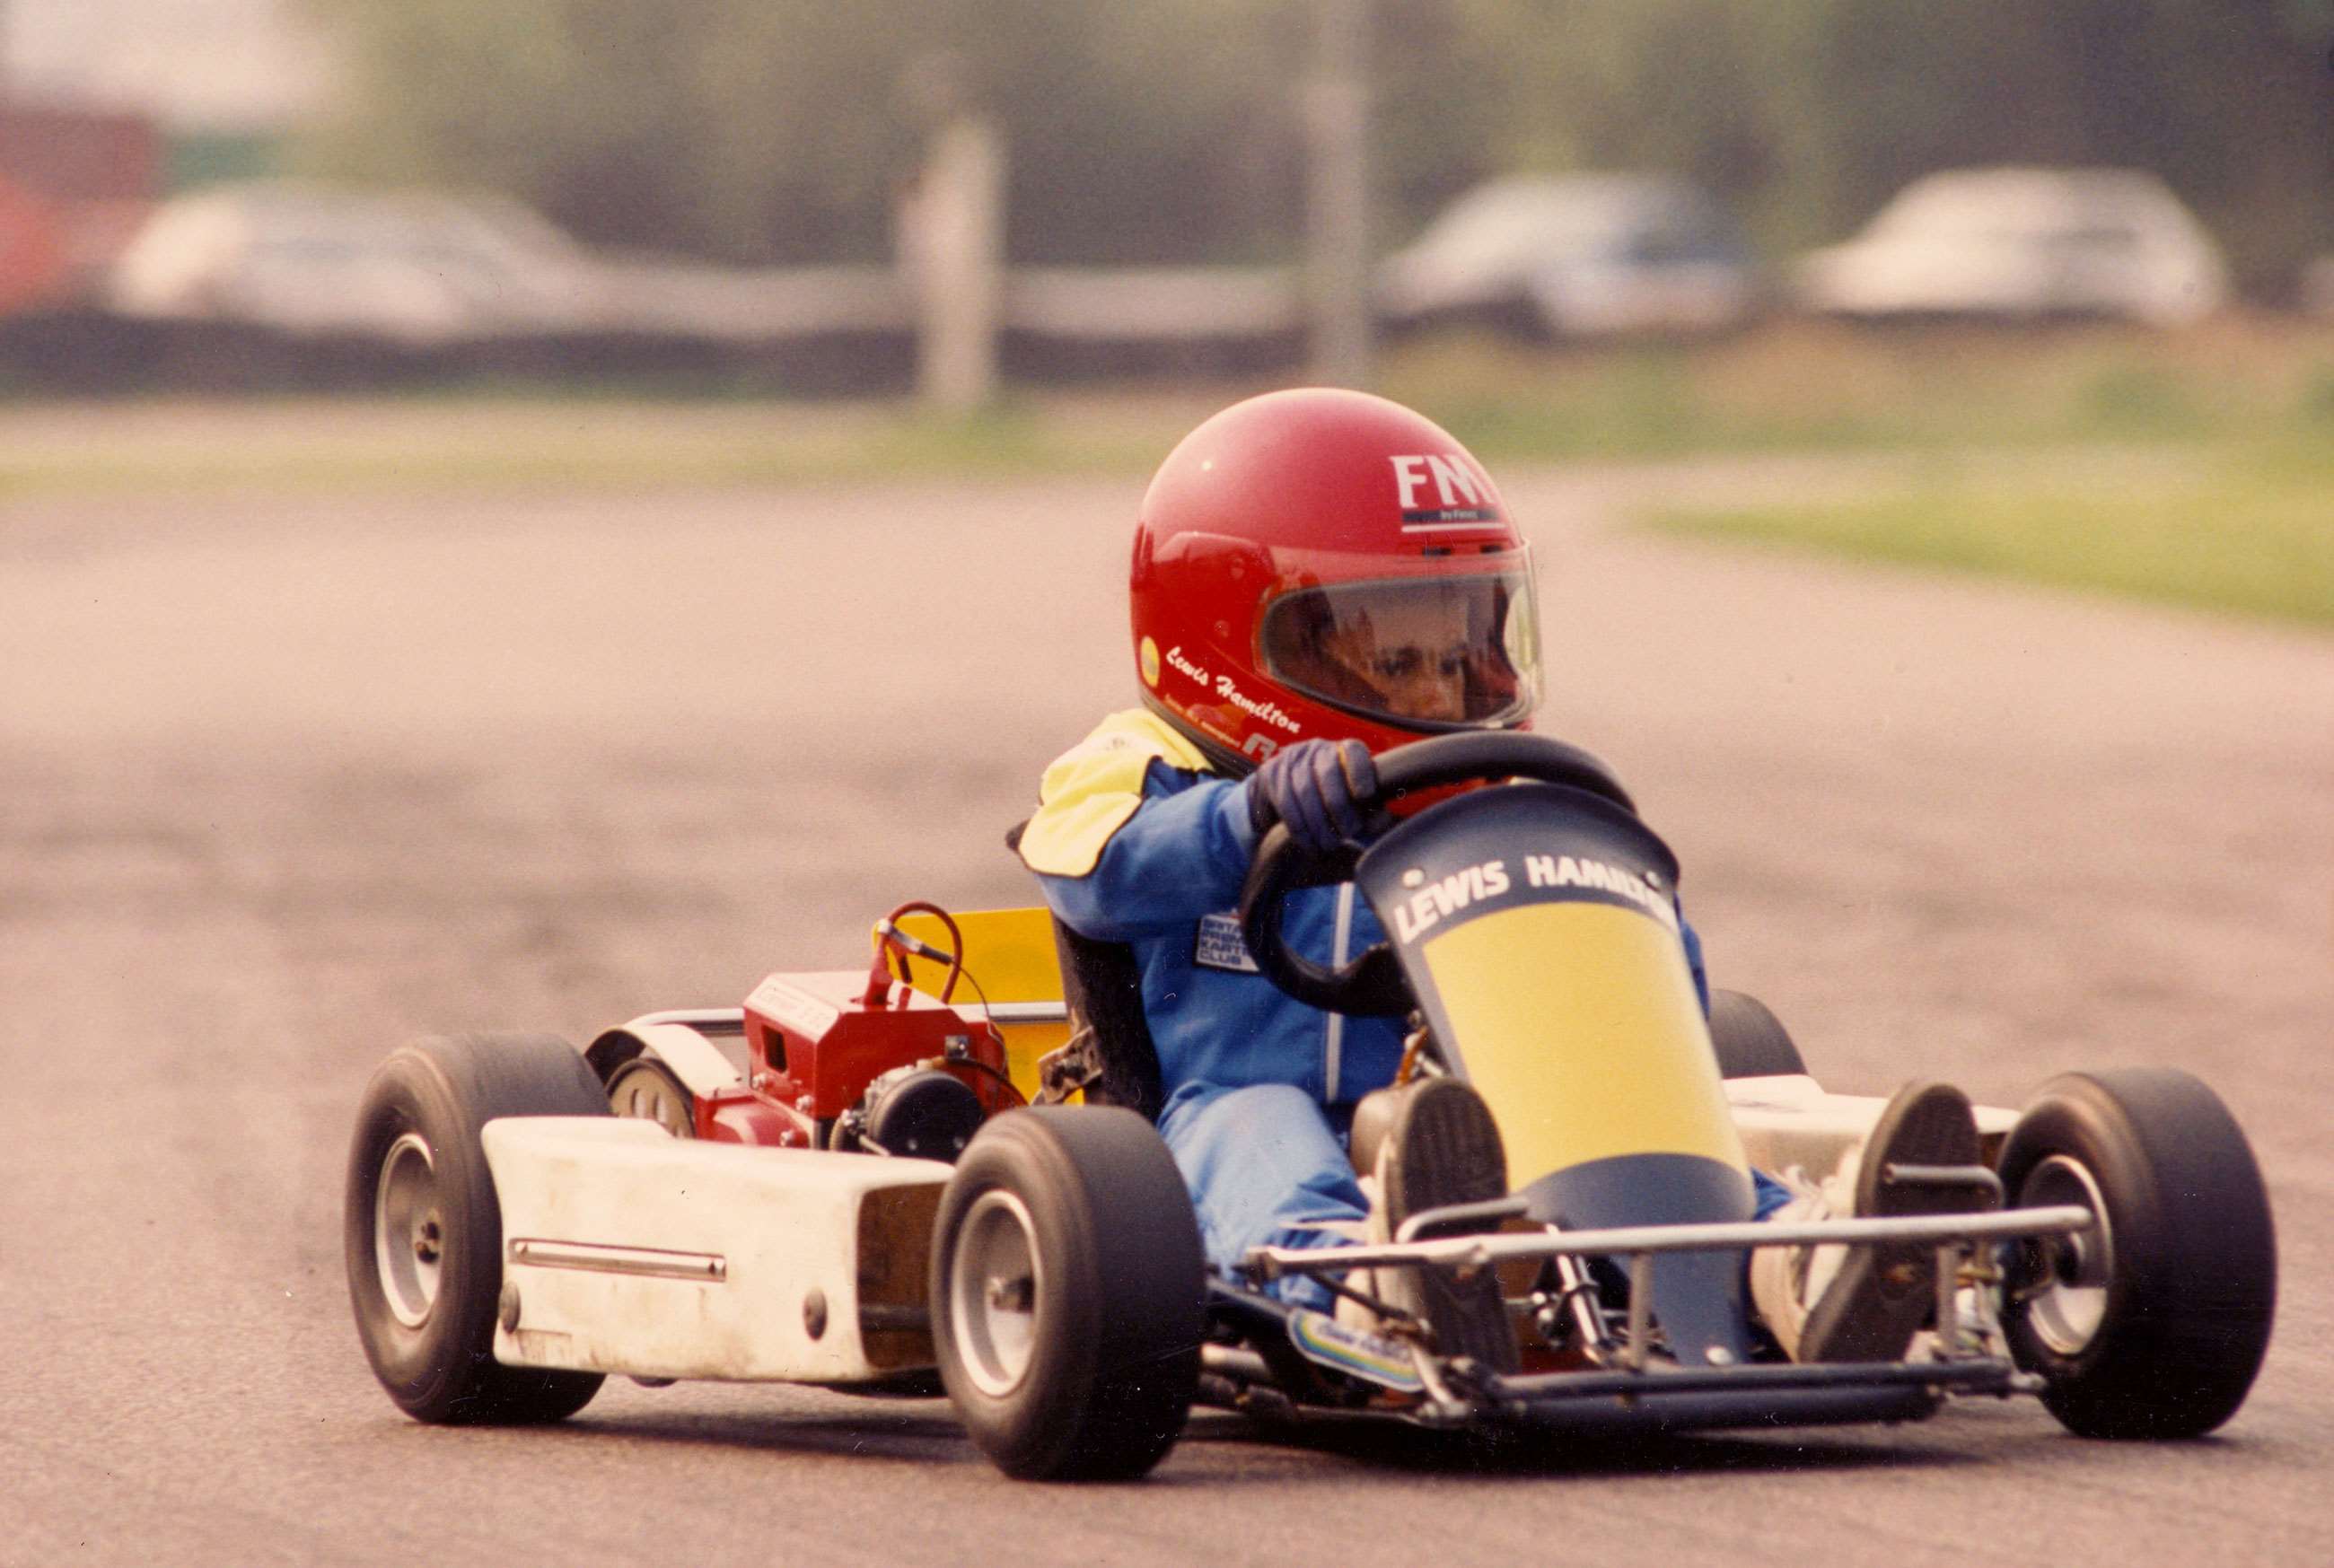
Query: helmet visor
x=1421 y=652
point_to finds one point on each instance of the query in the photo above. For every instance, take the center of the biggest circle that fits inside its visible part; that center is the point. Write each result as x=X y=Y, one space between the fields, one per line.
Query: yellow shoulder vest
x=1091 y=790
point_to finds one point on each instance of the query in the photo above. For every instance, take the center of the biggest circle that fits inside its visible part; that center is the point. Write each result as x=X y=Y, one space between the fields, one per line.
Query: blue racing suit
x=1136 y=840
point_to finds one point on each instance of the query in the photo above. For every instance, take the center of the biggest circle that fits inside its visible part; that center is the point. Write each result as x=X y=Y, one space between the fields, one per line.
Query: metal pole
x=953 y=235
x=1337 y=240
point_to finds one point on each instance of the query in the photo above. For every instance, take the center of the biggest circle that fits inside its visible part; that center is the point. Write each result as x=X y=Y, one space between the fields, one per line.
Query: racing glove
x=1313 y=787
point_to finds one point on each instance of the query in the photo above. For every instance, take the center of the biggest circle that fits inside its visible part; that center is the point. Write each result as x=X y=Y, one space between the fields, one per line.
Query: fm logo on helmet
x=1454 y=483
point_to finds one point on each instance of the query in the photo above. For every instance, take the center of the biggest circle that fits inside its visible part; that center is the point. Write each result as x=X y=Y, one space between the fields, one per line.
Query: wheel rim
x=2066 y=1300
x=642 y=1091
x=994 y=1285
x=409 y=1230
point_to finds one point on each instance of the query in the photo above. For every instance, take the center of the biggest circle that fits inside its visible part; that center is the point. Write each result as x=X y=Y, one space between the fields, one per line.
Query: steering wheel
x=1371 y=985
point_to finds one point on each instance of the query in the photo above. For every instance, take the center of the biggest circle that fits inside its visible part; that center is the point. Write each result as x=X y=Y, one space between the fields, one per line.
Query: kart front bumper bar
x=1642 y=1395
x=1968 y=1374
x=1707 y=1399
x=1268 y=1263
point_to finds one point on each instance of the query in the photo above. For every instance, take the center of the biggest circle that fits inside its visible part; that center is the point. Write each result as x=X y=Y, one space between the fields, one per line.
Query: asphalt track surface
x=284 y=783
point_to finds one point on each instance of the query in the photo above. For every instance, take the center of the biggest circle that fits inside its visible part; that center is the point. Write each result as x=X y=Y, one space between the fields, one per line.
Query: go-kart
x=860 y=1177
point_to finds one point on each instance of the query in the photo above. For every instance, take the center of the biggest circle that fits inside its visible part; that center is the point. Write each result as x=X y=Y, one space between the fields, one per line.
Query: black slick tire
x=1068 y=1294
x=2153 y=1323
x=422 y=1229
x=1750 y=1040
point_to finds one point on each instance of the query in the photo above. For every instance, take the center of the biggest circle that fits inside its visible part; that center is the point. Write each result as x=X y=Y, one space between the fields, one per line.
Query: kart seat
x=1110 y=1044
x=1110 y=1051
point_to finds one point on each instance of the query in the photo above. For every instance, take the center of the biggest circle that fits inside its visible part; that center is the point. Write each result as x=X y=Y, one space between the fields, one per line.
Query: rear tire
x=1068 y=1294
x=2153 y=1324
x=1750 y=1041
x=422 y=1229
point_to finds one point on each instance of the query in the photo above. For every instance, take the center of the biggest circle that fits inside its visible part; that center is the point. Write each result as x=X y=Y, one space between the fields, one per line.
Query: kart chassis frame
x=1635 y=1389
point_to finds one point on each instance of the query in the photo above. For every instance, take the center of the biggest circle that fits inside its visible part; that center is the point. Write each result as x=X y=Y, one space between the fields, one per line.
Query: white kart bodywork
x=628 y=1250
x=1790 y=1119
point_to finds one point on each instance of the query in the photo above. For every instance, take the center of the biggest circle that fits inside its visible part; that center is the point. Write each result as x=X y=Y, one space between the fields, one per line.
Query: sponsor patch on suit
x=1218 y=945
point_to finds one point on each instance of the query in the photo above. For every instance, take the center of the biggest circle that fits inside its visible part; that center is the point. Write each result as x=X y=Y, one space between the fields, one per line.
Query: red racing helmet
x=1319 y=562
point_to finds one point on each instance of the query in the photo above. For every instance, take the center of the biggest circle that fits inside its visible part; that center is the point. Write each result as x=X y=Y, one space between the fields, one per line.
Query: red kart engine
x=847 y=1060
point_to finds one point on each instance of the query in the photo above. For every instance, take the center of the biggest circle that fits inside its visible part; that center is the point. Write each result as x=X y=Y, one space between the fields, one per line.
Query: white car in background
x=423 y=269
x=2024 y=243
x=414 y=268
x=1575 y=256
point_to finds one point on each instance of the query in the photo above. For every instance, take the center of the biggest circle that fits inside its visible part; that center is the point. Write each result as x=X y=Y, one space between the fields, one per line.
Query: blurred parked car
x=2024 y=243
x=417 y=268
x=1576 y=254
x=424 y=269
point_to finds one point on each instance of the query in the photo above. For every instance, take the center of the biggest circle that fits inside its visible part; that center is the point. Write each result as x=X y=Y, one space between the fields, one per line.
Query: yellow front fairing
x=1578 y=1025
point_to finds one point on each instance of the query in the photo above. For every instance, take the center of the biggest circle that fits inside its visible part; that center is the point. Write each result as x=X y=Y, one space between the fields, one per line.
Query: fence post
x=1337 y=208
x=952 y=251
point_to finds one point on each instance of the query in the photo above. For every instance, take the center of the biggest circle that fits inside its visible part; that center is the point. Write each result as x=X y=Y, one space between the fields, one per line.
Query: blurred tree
x=2232 y=102
x=776 y=129
x=756 y=130
x=1807 y=114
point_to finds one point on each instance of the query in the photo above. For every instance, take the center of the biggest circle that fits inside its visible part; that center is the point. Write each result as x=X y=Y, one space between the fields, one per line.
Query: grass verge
x=2250 y=530
x=2244 y=521
x=1820 y=386
x=1787 y=386
x=377 y=446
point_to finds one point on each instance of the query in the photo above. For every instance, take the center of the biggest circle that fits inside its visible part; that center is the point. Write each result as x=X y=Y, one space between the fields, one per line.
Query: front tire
x=2154 y=1322
x=422 y=1229
x=1068 y=1294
